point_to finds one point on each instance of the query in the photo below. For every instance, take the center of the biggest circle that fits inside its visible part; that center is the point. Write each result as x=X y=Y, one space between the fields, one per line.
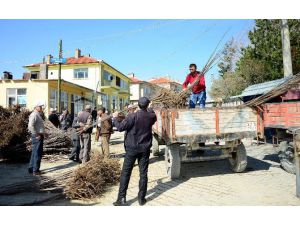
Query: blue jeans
x=36 y=154
x=201 y=97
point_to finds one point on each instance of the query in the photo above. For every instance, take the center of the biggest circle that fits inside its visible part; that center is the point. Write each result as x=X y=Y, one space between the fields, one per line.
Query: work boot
x=30 y=170
x=120 y=202
x=142 y=201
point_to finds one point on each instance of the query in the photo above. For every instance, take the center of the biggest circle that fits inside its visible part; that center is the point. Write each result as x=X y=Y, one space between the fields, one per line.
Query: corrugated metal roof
x=262 y=88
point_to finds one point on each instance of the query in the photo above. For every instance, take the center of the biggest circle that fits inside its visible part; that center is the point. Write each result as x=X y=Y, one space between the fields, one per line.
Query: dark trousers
x=36 y=154
x=143 y=161
x=76 y=149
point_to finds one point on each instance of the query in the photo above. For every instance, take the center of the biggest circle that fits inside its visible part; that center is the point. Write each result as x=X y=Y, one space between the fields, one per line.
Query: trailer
x=188 y=132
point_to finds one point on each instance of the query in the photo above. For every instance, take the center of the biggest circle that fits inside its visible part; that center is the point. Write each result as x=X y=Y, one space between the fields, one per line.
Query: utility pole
x=286 y=48
x=59 y=77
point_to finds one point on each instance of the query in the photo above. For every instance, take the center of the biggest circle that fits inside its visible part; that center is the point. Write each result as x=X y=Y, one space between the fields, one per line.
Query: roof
x=288 y=83
x=162 y=80
x=135 y=80
x=262 y=88
x=72 y=60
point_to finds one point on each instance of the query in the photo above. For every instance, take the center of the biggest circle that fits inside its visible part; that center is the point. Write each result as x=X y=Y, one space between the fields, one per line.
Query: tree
x=266 y=49
x=230 y=84
x=259 y=62
x=228 y=57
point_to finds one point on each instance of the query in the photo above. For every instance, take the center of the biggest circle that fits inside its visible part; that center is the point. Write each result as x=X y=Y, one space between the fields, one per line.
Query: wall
x=135 y=92
x=36 y=91
x=67 y=73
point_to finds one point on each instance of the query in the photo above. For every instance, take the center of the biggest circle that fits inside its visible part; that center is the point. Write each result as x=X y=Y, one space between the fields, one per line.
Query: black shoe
x=120 y=202
x=30 y=170
x=142 y=201
x=71 y=158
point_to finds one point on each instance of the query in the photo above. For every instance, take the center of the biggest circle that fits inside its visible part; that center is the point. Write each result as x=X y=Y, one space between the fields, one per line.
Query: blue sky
x=148 y=48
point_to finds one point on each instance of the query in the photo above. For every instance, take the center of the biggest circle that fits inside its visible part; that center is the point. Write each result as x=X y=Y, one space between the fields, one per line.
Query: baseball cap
x=39 y=103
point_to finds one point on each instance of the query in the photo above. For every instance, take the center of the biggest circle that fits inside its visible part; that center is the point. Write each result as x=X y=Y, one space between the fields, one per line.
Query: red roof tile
x=81 y=60
x=73 y=60
x=135 y=80
x=161 y=80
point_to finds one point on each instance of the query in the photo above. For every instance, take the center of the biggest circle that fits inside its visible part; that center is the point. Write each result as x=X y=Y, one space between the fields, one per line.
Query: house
x=90 y=73
x=27 y=92
x=166 y=82
x=139 y=88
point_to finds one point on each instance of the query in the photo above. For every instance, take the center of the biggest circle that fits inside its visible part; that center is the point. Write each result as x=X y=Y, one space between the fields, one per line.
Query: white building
x=88 y=72
x=139 y=88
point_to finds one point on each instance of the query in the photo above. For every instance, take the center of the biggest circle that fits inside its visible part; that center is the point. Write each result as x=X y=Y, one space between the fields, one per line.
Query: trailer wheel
x=155 y=146
x=286 y=156
x=238 y=159
x=172 y=161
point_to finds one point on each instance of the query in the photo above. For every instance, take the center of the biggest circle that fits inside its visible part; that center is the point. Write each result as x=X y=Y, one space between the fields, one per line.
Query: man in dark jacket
x=86 y=127
x=138 y=141
x=75 y=139
x=53 y=118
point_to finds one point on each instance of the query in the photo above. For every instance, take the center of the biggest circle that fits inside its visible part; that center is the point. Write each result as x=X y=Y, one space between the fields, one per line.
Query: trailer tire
x=286 y=157
x=155 y=146
x=172 y=160
x=238 y=159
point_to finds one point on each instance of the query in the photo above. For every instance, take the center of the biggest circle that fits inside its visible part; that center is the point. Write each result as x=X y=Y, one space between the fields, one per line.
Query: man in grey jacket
x=37 y=130
x=85 y=121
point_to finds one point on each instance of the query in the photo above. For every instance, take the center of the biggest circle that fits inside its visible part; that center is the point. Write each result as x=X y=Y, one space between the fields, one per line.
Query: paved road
x=211 y=183
x=203 y=183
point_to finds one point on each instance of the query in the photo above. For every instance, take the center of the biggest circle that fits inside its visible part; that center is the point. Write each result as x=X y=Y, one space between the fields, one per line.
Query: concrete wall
x=94 y=75
x=35 y=91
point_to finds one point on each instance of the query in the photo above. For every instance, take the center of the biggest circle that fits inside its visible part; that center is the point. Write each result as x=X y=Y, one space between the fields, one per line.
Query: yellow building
x=88 y=72
x=27 y=92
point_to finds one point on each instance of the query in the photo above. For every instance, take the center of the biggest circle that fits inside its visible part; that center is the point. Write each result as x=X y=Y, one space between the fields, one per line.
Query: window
x=78 y=104
x=124 y=84
x=108 y=76
x=17 y=96
x=64 y=100
x=81 y=73
x=118 y=81
x=53 y=98
x=104 y=100
x=114 y=102
x=121 y=103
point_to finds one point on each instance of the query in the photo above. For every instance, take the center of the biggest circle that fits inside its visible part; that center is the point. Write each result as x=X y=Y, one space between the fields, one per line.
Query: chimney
x=131 y=75
x=48 y=59
x=88 y=55
x=77 y=53
x=7 y=75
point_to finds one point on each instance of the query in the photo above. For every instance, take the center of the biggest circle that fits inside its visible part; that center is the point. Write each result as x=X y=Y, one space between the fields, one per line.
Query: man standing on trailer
x=198 y=90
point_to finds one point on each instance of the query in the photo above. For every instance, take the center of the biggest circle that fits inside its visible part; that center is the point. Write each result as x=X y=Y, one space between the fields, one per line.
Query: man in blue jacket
x=138 y=141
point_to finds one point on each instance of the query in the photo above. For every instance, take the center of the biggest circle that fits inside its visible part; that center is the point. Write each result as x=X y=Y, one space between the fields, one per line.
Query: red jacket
x=198 y=87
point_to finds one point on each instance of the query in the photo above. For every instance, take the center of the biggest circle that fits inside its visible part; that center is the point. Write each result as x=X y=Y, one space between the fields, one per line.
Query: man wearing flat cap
x=138 y=141
x=85 y=121
x=37 y=130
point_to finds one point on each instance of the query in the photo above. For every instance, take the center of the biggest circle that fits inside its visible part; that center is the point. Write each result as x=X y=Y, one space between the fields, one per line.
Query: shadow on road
x=201 y=169
x=60 y=167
